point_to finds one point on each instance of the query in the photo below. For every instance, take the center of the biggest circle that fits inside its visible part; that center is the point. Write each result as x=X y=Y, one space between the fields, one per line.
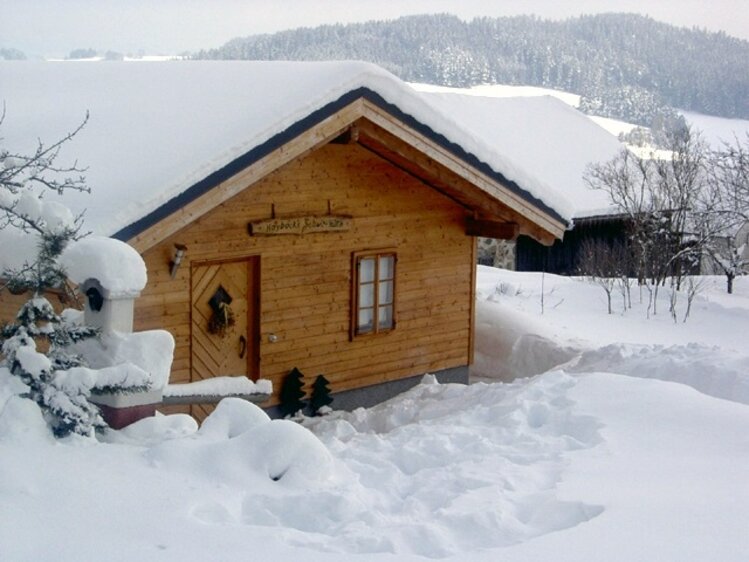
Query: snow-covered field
x=601 y=457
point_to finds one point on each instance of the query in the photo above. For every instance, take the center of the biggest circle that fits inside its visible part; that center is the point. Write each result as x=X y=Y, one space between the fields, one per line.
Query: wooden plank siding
x=305 y=285
x=10 y=305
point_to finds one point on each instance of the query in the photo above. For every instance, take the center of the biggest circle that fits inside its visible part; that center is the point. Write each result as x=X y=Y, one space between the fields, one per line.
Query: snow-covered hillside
x=578 y=463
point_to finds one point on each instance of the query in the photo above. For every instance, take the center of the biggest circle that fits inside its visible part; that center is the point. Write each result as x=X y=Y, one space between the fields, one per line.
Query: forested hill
x=624 y=65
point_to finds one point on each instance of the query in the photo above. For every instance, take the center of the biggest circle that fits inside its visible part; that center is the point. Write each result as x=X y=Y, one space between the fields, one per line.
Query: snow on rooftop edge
x=156 y=129
x=541 y=133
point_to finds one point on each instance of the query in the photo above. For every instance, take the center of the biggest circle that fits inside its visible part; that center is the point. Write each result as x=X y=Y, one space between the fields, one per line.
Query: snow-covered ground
x=516 y=337
x=717 y=130
x=601 y=457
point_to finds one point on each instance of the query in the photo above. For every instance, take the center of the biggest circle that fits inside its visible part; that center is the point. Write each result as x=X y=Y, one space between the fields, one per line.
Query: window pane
x=385 y=296
x=366 y=320
x=385 y=317
x=387 y=267
x=375 y=293
x=366 y=295
x=366 y=270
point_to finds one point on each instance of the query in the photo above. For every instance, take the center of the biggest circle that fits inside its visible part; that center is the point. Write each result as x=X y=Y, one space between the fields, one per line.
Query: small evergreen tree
x=320 y=395
x=292 y=393
x=24 y=180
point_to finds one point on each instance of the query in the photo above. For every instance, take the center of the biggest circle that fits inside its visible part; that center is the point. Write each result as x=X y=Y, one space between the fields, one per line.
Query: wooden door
x=224 y=321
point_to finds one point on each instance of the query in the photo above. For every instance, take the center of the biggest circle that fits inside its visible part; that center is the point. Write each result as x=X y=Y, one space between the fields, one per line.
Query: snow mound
x=153 y=430
x=510 y=345
x=220 y=386
x=242 y=446
x=231 y=418
x=151 y=352
x=709 y=369
x=515 y=337
x=21 y=421
x=118 y=267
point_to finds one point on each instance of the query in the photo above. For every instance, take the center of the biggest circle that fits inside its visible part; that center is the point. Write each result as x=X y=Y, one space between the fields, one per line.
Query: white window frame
x=381 y=301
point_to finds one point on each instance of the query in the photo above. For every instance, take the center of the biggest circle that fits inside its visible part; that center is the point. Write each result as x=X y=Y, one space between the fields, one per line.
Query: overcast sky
x=55 y=27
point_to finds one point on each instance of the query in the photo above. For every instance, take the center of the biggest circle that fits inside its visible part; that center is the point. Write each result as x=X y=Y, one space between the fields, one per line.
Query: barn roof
x=162 y=134
x=540 y=133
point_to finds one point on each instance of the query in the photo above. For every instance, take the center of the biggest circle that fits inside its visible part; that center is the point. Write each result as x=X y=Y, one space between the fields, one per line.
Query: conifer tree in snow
x=292 y=393
x=320 y=395
x=34 y=346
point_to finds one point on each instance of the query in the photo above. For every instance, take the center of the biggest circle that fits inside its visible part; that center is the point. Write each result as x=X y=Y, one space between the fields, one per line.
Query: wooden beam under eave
x=349 y=136
x=492 y=229
x=420 y=166
x=459 y=187
x=542 y=237
x=439 y=156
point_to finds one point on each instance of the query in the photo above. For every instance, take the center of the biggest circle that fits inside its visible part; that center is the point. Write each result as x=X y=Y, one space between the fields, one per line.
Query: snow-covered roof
x=158 y=129
x=542 y=134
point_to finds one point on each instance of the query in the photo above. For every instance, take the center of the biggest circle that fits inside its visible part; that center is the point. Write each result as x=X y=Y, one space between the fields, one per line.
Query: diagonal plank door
x=223 y=337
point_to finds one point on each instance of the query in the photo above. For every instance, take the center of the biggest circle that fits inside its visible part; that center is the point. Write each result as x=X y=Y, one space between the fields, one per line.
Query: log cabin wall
x=10 y=305
x=305 y=280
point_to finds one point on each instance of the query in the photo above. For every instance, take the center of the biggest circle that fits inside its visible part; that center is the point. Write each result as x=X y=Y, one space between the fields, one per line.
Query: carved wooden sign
x=300 y=225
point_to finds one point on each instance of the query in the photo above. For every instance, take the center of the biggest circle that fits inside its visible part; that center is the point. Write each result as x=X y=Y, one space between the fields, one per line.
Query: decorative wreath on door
x=222 y=316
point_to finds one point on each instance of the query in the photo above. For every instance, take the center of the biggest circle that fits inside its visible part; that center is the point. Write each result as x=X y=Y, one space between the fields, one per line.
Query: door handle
x=242 y=346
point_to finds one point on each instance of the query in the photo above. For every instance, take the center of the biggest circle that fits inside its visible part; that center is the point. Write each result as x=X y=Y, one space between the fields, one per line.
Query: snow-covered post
x=111 y=274
x=109 y=311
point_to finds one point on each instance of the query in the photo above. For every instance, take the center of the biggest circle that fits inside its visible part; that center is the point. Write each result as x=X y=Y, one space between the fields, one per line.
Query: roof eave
x=328 y=122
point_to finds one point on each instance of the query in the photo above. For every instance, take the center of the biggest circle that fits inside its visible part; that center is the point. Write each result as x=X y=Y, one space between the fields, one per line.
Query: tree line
x=624 y=65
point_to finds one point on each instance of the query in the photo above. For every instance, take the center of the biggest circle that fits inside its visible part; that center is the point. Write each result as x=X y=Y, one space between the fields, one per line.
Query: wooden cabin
x=344 y=244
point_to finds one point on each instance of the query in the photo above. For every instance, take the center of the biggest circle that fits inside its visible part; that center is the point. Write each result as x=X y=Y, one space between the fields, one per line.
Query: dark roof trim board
x=610 y=217
x=298 y=128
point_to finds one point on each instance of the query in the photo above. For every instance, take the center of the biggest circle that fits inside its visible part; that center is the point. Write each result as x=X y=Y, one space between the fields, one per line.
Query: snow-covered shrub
x=35 y=347
x=62 y=399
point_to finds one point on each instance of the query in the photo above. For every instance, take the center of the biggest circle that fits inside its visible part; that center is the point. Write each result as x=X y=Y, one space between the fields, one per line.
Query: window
x=374 y=293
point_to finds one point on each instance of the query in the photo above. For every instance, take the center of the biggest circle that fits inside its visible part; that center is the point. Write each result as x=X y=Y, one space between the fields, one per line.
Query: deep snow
x=573 y=464
x=117 y=266
x=517 y=337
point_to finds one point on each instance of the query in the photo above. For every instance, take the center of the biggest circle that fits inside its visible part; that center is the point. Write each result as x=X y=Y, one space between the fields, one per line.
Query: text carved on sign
x=300 y=225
